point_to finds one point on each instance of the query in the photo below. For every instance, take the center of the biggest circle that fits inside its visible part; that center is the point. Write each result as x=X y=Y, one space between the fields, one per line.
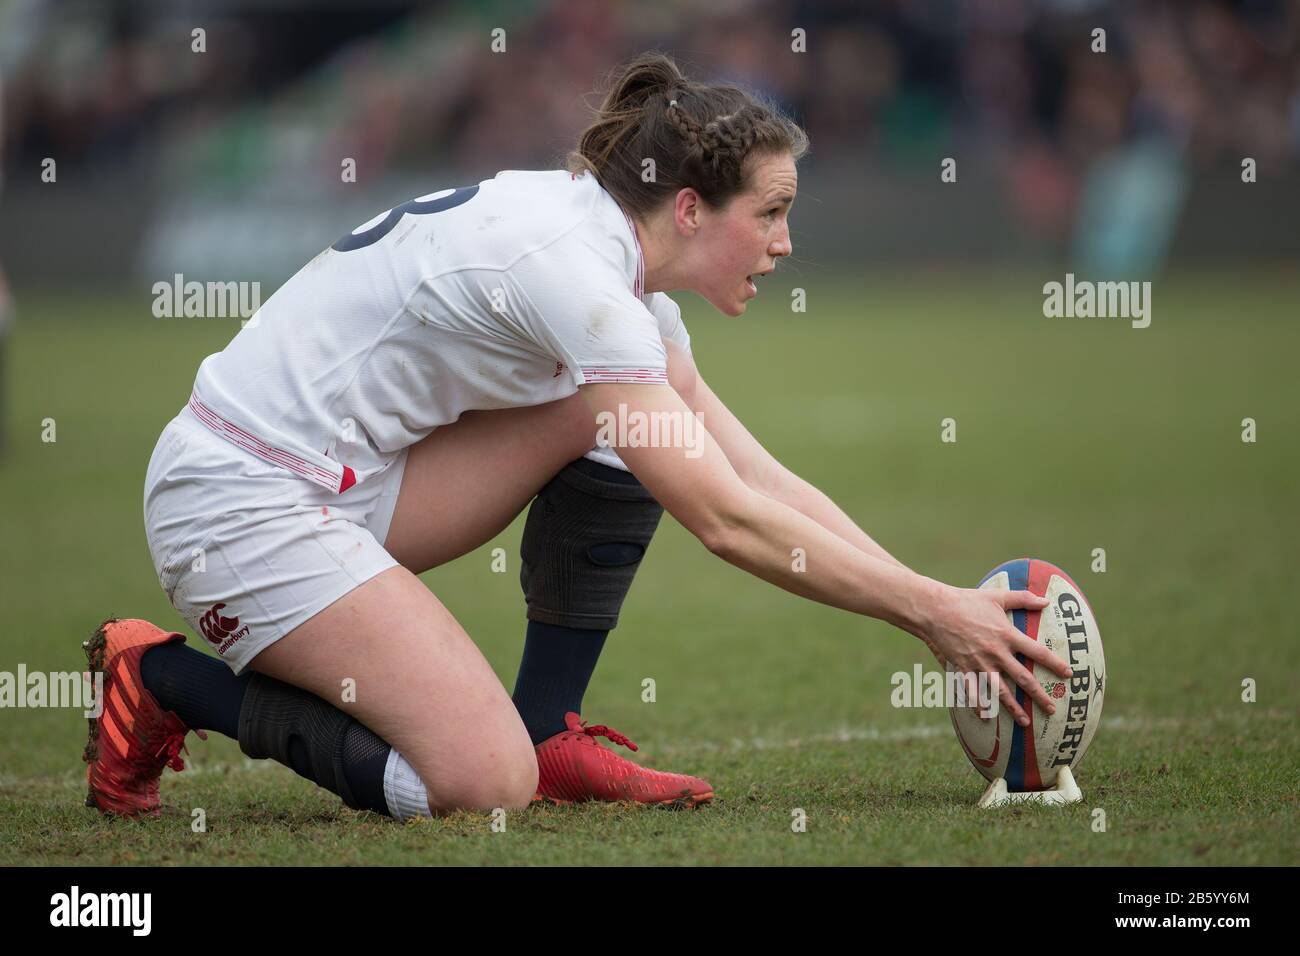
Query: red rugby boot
x=572 y=767
x=133 y=738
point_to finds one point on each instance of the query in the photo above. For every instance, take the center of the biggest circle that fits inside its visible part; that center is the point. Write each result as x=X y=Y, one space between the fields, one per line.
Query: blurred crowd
x=292 y=86
x=1087 y=117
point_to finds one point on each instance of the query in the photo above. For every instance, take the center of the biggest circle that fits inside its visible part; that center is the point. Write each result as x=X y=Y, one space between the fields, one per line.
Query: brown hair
x=699 y=135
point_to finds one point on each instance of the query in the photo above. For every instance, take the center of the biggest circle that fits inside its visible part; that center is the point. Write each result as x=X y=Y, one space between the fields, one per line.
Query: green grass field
x=1072 y=435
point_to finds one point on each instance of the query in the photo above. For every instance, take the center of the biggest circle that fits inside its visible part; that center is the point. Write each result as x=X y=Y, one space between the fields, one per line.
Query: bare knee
x=506 y=781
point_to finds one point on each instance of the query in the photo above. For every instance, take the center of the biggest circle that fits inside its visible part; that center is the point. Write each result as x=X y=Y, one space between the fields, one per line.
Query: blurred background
x=226 y=164
x=924 y=304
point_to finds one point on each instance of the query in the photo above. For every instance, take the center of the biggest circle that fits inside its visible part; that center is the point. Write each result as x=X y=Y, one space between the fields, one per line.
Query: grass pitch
x=1072 y=435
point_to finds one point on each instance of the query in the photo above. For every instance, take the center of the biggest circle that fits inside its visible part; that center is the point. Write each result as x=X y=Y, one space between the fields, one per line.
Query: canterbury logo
x=215 y=627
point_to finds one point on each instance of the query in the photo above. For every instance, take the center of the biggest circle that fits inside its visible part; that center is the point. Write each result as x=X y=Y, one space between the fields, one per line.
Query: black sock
x=553 y=675
x=205 y=694
x=201 y=689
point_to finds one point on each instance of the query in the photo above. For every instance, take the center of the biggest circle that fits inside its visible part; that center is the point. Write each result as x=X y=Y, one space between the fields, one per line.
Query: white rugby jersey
x=510 y=293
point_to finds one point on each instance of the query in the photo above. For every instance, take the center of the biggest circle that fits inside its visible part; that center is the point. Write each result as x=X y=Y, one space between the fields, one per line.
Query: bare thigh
x=467 y=481
x=420 y=683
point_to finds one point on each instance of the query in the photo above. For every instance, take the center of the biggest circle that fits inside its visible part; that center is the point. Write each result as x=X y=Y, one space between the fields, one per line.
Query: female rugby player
x=403 y=397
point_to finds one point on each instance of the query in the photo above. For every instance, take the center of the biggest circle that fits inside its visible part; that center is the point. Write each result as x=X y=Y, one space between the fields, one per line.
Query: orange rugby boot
x=133 y=738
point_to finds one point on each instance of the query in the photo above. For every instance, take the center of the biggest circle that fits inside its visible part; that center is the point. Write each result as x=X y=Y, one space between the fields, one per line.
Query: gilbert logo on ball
x=1029 y=758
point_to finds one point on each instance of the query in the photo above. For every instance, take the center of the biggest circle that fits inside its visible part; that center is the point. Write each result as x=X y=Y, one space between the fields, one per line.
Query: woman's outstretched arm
x=693 y=479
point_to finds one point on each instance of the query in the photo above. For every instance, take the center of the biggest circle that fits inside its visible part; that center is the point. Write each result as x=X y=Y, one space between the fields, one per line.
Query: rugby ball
x=1029 y=758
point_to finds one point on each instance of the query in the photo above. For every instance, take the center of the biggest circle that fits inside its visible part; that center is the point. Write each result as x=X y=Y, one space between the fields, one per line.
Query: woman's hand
x=969 y=628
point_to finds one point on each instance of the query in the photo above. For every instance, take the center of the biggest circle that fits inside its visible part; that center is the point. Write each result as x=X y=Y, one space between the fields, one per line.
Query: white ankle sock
x=404 y=791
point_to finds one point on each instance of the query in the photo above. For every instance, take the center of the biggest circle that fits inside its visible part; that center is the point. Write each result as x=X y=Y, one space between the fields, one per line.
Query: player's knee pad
x=301 y=731
x=583 y=540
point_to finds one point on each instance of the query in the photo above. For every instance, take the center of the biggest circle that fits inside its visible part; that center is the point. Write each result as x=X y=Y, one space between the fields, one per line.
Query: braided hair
x=657 y=132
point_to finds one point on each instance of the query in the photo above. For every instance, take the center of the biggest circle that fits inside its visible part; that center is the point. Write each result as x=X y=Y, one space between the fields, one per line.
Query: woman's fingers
x=1008 y=699
x=977 y=687
x=1021 y=643
x=1025 y=680
x=1015 y=600
x=1039 y=653
x=968 y=689
x=996 y=658
x=972 y=690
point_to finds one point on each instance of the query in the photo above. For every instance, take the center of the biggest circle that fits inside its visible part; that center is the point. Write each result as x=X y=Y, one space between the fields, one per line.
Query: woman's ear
x=686 y=211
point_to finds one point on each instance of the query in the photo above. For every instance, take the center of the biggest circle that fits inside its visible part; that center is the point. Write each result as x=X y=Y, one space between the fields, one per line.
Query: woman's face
x=737 y=243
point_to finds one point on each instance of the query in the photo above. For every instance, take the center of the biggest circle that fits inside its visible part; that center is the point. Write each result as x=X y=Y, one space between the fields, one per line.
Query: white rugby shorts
x=247 y=550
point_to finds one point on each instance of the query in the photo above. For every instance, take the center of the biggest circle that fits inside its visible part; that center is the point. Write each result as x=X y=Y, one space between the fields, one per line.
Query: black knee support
x=310 y=736
x=583 y=540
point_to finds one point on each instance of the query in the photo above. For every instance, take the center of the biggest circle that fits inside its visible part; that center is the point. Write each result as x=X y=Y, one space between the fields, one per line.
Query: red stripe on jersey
x=249 y=436
x=638 y=283
x=275 y=456
x=608 y=373
x=622 y=368
x=237 y=436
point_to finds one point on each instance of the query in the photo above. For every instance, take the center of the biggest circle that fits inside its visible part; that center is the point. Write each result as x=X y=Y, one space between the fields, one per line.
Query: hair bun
x=702 y=144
